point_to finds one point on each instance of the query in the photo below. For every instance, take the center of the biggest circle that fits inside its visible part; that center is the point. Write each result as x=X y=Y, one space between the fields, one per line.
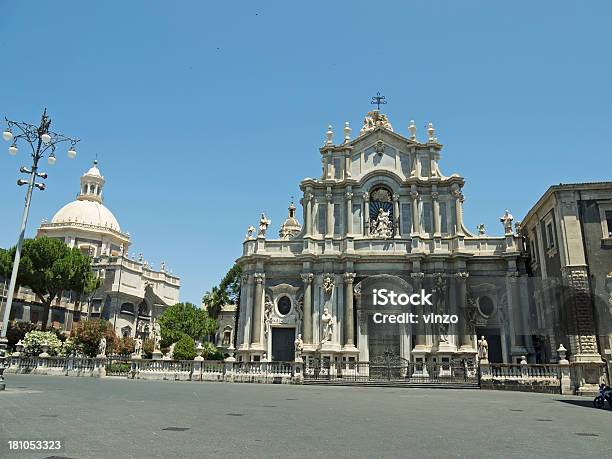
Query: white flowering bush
x=33 y=342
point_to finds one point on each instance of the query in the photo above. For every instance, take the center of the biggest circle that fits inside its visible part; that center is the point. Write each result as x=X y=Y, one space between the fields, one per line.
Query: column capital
x=307 y=277
x=462 y=276
x=366 y=196
x=259 y=277
x=349 y=278
x=417 y=276
x=349 y=195
x=308 y=196
x=396 y=197
x=414 y=194
x=435 y=195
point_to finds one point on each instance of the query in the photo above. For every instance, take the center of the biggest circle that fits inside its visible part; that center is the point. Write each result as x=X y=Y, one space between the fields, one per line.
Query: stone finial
x=523 y=360
x=481 y=229
x=329 y=136
x=412 y=130
x=562 y=351
x=431 y=133
x=347 y=132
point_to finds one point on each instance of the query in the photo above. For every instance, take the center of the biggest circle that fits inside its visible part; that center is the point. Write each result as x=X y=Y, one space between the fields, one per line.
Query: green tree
x=5 y=263
x=227 y=292
x=185 y=319
x=185 y=349
x=48 y=267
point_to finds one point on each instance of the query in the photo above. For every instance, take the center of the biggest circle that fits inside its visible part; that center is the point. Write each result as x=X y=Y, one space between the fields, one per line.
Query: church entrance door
x=283 y=344
x=383 y=339
x=494 y=341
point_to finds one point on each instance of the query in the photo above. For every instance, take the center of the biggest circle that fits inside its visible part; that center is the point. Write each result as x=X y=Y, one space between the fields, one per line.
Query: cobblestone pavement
x=119 y=418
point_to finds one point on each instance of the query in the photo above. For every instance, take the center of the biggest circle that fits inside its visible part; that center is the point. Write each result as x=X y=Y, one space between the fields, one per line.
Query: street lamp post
x=43 y=143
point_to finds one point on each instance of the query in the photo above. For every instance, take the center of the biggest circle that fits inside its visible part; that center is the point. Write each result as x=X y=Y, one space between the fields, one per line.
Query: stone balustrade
x=175 y=370
x=523 y=377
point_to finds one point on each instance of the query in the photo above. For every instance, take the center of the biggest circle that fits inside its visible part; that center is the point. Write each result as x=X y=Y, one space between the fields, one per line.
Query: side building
x=132 y=291
x=568 y=234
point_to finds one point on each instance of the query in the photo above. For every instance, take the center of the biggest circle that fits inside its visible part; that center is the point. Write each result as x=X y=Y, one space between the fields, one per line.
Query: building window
x=406 y=214
x=337 y=218
x=609 y=222
x=127 y=308
x=443 y=219
x=485 y=306
x=227 y=336
x=284 y=305
x=426 y=217
x=550 y=235
x=337 y=169
x=321 y=218
x=534 y=251
x=357 y=219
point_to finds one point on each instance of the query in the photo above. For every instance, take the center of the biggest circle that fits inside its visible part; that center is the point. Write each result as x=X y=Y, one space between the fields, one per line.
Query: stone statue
x=263 y=225
x=156 y=331
x=267 y=315
x=328 y=283
x=373 y=120
x=328 y=325
x=250 y=231
x=382 y=226
x=507 y=219
x=481 y=229
x=483 y=349
x=299 y=309
x=138 y=346
x=102 y=346
x=299 y=347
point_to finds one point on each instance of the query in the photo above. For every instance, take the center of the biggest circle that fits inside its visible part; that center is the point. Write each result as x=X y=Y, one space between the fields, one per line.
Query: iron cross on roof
x=378 y=100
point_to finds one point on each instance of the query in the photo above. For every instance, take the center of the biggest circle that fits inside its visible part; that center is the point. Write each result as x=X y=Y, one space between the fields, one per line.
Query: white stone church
x=382 y=215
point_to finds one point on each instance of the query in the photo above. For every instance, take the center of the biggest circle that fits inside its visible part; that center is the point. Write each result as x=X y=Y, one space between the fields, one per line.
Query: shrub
x=210 y=352
x=148 y=346
x=33 y=342
x=125 y=345
x=184 y=349
x=86 y=336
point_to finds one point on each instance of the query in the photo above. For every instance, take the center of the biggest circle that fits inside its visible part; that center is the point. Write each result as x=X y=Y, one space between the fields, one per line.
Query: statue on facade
x=507 y=219
x=440 y=305
x=299 y=347
x=328 y=283
x=373 y=120
x=382 y=226
x=267 y=315
x=483 y=349
x=156 y=331
x=264 y=222
x=328 y=325
x=102 y=347
x=481 y=229
x=299 y=310
x=250 y=231
x=138 y=346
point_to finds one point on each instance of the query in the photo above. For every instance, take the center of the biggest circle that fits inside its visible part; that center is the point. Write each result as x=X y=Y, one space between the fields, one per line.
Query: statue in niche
x=328 y=283
x=328 y=326
x=264 y=222
x=382 y=227
x=267 y=315
x=440 y=305
x=299 y=310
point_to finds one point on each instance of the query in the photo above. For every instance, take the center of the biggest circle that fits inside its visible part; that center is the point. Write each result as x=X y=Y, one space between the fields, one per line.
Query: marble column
x=458 y=210
x=308 y=197
x=465 y=338
x=416 y=223
x=436 y=213
x=396 y=215
x=256 y=324
x=349 y=331
x=417 y=283
x=366 y=213
x=349 y=212
x=307 y=279
x=330 y=214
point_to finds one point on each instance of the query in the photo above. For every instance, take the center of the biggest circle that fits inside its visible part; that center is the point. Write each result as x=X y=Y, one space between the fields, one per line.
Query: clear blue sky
x=204 y=114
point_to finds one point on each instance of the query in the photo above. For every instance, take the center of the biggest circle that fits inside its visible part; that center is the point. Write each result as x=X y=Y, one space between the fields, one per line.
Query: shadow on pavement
x=588 y=403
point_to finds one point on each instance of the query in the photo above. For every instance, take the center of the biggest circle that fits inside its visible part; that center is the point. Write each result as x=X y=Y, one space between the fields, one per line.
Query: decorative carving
x=349 y=278
x=259 y=277
x=517 y=227
x=414 y=194
x=263 y=225
x=381 y=195
x=373 y=120
x=299 y=347
x=366 y=196
x=307 y=277
x=382 y=226
x=349 y=195
x=328 y=283
x=328 y=326
x=481 y=229
x=507 y=219
x=102 y=346
x=268 y=315
x=435 y=195
x=462 y=276
x=357 y=289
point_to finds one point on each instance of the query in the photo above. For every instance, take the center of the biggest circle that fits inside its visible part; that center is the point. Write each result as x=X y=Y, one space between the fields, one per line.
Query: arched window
x=127 y=308
x=381 y=213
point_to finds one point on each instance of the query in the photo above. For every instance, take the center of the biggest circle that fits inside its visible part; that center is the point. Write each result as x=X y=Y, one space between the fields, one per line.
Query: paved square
x=122 y=418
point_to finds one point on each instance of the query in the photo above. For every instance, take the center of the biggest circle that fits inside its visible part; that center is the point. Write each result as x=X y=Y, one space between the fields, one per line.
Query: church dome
x=88 y=212
x=88 y=208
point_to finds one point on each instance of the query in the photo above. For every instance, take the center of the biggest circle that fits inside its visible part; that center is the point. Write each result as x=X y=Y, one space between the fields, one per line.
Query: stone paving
x=119 y=418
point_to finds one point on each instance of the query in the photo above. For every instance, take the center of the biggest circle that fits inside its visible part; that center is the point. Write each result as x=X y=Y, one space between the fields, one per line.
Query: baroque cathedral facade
x=382 y=215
